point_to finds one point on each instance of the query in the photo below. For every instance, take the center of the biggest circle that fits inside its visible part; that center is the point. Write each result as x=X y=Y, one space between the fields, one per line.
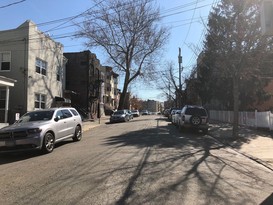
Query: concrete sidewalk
x=87 y=125
x=253 y=143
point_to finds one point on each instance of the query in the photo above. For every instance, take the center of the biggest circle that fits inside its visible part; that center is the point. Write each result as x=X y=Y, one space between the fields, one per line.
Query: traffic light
x=267 y=17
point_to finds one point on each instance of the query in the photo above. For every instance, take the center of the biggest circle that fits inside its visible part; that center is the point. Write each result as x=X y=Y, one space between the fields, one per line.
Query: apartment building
x=36 y=63
x=84 y=78
x=152 y=105
x=111 y=91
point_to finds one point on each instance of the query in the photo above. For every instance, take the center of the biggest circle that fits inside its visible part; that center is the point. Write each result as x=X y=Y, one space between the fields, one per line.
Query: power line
x=11 y=4
x=191 y=21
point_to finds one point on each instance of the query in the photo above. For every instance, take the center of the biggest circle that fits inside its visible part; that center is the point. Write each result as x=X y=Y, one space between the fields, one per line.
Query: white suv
x=41 y=129
x=195 y=117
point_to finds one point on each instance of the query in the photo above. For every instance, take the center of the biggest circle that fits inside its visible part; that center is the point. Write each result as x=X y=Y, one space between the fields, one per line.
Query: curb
x=88 y=125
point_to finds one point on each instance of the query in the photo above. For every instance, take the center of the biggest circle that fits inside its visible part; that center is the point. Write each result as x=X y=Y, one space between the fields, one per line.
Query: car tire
x=78 y=134
x=48 y=143
x=195 y=120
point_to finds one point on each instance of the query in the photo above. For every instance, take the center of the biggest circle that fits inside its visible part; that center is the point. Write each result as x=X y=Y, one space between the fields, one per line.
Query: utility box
x=267 y=17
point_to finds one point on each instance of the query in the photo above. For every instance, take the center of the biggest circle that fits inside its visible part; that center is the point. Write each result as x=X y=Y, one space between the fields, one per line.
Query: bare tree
x=129 y=32
x=169 y=85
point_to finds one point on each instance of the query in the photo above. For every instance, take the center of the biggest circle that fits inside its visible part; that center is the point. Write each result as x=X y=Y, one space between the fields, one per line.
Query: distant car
x=172 y=112
x=135 y=113
x=120 y=116
x=175 y=117
x=41 y=129
x=172 y=115
x=145 y=112
x=130 y=114
x=195 y=117
x=166 y=112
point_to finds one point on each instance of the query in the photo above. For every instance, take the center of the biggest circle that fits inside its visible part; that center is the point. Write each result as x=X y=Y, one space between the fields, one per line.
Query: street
x=143 y=161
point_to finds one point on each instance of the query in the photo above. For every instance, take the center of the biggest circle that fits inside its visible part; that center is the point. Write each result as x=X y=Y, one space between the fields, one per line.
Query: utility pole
x=180 y=84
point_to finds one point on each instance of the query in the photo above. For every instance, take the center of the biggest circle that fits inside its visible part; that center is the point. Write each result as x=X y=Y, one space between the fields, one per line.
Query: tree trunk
x=122 y=99
x=235 y=106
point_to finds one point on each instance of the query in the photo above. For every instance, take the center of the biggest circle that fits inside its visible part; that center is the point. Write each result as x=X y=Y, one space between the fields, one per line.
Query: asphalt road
x=144 y=161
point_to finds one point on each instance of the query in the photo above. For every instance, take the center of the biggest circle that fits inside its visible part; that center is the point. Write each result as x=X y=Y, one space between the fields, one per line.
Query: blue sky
x=187 y=19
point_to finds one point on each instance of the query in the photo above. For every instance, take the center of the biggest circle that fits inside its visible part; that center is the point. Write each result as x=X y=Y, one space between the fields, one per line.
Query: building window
x=5 y=58
x=59 y=69
x=41 y=66
x=40 y=101
x=2 y=99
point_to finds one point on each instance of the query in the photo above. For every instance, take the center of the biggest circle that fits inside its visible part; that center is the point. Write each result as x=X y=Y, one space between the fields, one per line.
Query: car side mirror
x=56 y=119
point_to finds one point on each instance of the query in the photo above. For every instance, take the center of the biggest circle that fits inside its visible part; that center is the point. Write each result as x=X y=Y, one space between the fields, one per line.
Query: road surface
x=144 y=161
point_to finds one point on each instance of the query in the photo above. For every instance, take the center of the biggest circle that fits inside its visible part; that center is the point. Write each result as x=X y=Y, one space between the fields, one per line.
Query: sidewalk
x=255 y=144
x=87 y=125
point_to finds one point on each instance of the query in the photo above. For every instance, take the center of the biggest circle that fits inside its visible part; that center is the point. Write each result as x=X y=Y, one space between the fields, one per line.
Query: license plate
x=10 y=143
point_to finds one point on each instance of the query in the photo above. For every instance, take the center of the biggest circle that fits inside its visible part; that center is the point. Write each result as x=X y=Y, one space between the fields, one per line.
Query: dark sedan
x=120 y=116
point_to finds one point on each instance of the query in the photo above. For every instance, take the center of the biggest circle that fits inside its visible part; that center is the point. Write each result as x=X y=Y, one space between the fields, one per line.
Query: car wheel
x=48 y=143
x=78 y=134
x=195 y=120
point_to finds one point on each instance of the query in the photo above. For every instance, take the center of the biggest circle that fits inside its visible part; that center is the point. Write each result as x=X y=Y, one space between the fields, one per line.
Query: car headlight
x=34 y=130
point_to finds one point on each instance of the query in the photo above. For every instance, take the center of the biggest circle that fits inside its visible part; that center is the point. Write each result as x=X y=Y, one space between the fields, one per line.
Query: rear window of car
x=74 y=112
x=119 y=112
x=196 y=111
x=66 y=113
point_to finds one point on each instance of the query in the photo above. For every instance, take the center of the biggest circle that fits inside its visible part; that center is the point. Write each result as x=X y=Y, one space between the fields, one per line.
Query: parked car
x=120 y=116
x=166 y=112
x=145 y=112
x=135 y=113
x=195 y=117
x=172 y=112
x=41 y=129
x=131 y=116
x=172 y=115
x=176 y=116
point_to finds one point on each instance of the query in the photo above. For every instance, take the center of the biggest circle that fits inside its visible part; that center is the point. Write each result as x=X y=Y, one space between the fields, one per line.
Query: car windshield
x=196 y=111
x=36 y=116
x=119 y=112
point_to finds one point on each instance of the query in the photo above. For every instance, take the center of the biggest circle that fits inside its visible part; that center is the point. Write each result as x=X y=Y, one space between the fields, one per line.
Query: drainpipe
x=25 y=78
x=7 y=104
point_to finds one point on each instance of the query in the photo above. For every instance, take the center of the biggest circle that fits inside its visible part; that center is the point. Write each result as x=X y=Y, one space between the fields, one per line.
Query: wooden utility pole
x=180 y=84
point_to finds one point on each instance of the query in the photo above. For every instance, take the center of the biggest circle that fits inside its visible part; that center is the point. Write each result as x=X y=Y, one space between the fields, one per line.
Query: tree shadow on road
x=183 y=159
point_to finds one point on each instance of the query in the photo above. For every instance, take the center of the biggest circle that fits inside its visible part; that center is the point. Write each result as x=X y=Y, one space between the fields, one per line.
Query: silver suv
x=195 y=117
x=41 y=129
